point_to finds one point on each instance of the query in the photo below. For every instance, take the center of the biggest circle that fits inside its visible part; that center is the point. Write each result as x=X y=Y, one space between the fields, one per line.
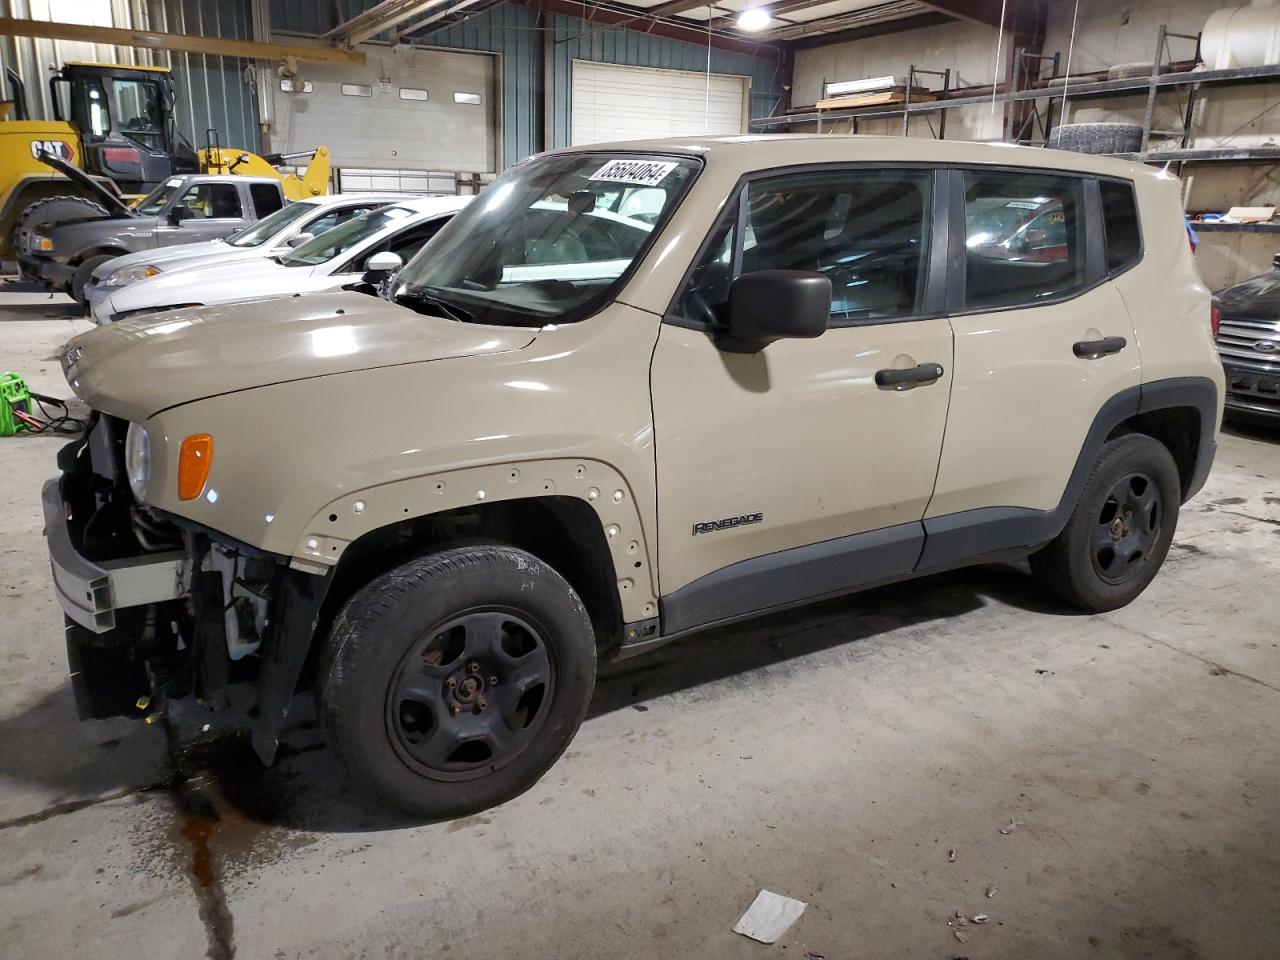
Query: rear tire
x=452 y=683
x=1120 y=531
x=80 y=279
x=53 y=210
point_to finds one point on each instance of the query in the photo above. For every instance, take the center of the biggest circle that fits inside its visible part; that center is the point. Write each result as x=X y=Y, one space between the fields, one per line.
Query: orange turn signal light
x=195 y=457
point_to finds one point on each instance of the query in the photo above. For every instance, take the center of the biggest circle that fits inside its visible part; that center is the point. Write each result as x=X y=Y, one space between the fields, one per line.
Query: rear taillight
x=1215 y=317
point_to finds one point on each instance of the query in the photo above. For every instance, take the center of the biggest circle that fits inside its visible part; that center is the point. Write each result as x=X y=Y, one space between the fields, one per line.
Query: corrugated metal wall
x=212 y=91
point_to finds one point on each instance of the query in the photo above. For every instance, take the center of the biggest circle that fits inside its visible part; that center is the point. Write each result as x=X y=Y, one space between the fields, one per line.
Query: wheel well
x=108 y=251
x=563 y=532
x=1178 y=428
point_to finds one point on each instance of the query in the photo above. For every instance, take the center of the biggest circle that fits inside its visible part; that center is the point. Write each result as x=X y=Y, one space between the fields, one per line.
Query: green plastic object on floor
x=13 y=395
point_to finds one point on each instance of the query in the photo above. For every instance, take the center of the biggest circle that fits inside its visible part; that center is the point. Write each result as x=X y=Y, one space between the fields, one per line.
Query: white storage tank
x=1242 y=36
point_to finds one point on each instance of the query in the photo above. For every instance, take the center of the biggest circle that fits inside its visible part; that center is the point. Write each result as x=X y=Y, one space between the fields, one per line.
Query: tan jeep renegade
x=633 y=391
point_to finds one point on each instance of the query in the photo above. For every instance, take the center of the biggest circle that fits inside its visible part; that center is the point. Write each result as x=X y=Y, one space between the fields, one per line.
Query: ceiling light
x=754 y=18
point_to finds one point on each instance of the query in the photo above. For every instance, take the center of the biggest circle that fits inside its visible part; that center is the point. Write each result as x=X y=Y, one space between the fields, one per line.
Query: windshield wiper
x=443 y=308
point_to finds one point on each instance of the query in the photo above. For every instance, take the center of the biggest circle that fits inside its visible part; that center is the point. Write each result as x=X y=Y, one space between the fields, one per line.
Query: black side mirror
x=770 y=305
x=179 y=213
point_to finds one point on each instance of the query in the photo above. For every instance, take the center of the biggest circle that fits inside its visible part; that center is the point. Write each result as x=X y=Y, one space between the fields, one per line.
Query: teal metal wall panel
x=211 y=90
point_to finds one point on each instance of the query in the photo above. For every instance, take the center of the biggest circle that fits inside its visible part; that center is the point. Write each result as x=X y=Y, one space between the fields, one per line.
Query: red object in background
x=1215 y=317
x=121 y=155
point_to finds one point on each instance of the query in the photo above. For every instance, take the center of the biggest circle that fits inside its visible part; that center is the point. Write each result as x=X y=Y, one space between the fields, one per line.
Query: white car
x=291 y=225
x=327 y=262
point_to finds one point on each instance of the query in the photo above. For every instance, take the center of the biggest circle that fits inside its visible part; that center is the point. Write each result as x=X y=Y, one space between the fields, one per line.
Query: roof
x=329 y=198
x=115 y=66
x=762 y=151
x=437 y=204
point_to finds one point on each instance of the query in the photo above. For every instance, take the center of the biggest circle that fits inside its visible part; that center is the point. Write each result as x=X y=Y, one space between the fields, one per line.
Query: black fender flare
x=963 y=538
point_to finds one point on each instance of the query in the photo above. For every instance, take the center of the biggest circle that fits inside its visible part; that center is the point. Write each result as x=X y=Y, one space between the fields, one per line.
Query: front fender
x=342 y=521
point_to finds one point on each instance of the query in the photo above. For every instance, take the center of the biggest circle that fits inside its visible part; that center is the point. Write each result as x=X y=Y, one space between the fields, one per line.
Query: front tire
x=453 y=682
x=84 y=272
x=1120 y=531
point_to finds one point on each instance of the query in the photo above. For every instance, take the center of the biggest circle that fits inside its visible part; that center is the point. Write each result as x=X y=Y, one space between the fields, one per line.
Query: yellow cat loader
x=116 y=123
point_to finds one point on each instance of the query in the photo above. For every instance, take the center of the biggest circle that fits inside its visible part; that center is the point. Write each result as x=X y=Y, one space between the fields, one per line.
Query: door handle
x=910 y=377
x=1091 y=349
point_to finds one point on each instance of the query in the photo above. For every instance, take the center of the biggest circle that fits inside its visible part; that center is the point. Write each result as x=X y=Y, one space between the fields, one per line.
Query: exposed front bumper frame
x=90 y=592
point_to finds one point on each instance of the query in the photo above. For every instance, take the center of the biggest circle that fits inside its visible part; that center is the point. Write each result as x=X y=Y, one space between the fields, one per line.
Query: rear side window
x=1120 y=216
x=266 y=198
x=1024 y=238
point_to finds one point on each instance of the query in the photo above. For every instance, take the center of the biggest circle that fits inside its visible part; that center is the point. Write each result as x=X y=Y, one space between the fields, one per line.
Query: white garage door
x=629 y=103
x=416 y=110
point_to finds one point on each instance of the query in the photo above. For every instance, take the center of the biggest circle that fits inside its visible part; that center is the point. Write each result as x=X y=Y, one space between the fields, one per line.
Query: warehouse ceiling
x=787 y=23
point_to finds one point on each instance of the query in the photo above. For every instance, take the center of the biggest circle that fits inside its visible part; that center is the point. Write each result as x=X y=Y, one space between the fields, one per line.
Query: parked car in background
x=332 y=260
x=275 y=234
x=1248 y=335
x=185 y=209
x=588 y=421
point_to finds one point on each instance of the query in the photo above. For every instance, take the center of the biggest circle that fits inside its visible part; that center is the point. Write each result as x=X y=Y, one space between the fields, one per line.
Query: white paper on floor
x=769 y=917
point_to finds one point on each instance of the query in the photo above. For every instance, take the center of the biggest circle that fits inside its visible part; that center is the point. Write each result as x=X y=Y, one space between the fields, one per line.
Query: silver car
x=288 y=227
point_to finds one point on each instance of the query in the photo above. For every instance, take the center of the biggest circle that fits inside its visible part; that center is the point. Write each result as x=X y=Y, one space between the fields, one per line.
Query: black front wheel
x=452 y=683
x=1120 y=531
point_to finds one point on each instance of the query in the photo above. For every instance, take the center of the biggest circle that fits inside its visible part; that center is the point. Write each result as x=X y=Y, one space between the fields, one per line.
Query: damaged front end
x=165 y=618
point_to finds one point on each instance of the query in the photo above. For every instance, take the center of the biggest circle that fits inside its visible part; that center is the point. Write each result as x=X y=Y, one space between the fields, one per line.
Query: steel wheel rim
x=471 y=694
x=1126 y=528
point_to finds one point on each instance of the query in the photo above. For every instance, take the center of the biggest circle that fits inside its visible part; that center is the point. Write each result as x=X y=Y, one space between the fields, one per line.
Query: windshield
x=259 y=233
x=154 y=201
x=341 y=239
x=549 y=240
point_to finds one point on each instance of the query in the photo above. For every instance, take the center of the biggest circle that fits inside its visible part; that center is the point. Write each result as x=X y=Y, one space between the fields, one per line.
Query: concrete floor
x=834 y=756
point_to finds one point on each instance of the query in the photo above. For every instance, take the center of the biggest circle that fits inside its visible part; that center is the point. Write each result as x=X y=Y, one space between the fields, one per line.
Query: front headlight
x=127 y=275
x=137 y=460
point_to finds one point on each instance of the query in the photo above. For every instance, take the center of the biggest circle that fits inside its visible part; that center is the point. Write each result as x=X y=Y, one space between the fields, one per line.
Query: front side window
x=549 y=240
x=1024 y=237
x=866 y=230
x=212 y=201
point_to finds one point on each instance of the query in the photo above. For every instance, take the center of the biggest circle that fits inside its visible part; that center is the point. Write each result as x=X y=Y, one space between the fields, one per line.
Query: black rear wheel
x=452 y=683
x=1120 y=531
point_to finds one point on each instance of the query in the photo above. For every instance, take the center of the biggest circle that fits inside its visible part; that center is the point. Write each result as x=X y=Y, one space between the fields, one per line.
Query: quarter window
x=266 y=198
x=1120 y=216
x=865 y=230
x=1024 y=238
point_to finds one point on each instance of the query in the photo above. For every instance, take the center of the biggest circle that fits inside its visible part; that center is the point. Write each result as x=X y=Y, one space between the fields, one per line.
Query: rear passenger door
x=1042 y=342
x=822 y=472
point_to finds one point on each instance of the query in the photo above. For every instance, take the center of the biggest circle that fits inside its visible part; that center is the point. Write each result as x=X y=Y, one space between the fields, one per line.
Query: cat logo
x=59 y=148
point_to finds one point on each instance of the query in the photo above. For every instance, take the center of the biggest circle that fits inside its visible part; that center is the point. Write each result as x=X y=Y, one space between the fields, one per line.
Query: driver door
x=215 y=211
x=790 y=473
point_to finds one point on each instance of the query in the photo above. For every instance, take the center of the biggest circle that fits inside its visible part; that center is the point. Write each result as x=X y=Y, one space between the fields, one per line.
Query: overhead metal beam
x=641 y=21
x=376 y=19
x=152 y=40
x=672 y=7
x=930 y=19
x=987 y=12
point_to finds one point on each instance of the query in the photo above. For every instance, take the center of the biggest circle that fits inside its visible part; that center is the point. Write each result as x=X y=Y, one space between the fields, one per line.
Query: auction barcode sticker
x=646 y=173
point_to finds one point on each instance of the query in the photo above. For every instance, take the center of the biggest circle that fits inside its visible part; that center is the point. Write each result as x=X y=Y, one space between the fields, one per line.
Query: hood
x=1256 y=299
x=163 y=255
x=213 y=282
x=136 y=368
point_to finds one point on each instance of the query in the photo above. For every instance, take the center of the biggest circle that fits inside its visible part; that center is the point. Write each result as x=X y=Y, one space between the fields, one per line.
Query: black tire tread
x=1058 y=566
x=356 y=627
x=38 y=213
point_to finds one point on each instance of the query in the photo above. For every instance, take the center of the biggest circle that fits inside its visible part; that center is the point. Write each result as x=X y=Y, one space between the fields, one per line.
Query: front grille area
x=1250 y=352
